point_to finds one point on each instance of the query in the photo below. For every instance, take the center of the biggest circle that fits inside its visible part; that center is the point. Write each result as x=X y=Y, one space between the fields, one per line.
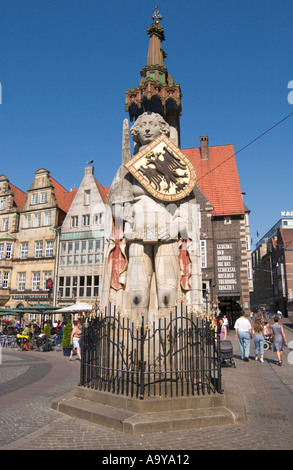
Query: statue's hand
x=172 y=231
x=164 y=234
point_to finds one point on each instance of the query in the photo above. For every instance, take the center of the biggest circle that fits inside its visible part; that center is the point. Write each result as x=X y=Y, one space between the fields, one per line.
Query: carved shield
x=163 y=170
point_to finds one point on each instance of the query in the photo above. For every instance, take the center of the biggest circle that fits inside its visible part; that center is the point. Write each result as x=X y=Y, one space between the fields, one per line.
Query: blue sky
x=65 y=66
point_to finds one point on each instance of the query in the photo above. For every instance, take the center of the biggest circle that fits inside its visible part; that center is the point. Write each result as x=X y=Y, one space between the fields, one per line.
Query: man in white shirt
x=243 y=332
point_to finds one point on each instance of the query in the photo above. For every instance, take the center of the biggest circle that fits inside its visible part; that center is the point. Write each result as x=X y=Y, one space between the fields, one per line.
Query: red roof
x=104 y=191
x=19 y=196
x=63 y=197
x=218 y=179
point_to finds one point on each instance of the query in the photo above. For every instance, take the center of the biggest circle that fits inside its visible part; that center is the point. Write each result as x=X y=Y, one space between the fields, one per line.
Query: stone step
x=137 y=423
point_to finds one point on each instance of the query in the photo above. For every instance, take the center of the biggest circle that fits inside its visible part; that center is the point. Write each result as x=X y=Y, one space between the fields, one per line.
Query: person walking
x=279 y=339
x=226 y=323
x=222 y=330
x=243 y=333
x=75 y=339
x=258 y=332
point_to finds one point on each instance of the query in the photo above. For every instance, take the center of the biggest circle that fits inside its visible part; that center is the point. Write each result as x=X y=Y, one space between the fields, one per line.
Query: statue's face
x=148 y=129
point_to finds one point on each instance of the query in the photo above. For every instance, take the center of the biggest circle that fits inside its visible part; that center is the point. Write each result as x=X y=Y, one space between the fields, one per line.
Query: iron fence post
x=141 y=395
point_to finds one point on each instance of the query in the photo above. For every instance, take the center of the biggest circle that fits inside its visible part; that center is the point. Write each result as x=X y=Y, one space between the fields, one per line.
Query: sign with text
x=226 y=268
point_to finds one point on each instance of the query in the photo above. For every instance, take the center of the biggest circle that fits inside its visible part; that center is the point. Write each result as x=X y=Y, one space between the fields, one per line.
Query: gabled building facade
x=35 y=246
x=11 y=203
x=81 y=252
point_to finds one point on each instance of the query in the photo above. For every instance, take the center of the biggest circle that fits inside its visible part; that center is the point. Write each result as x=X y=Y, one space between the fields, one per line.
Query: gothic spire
x=157 y=91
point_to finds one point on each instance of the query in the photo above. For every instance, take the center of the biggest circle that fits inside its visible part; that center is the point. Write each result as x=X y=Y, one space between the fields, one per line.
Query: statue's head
x=148 y=127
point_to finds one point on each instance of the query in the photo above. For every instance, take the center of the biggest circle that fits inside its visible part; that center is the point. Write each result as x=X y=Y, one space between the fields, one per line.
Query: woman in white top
x=243 y=332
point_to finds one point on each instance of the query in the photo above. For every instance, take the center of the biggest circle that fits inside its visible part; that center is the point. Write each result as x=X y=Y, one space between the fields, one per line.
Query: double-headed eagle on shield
x=163 y=170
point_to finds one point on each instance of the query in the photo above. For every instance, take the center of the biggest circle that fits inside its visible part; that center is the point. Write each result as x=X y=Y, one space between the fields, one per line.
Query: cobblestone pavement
x=29 y=381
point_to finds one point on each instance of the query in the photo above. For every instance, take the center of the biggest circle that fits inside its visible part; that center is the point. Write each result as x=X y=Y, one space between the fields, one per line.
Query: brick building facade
x=272 y=263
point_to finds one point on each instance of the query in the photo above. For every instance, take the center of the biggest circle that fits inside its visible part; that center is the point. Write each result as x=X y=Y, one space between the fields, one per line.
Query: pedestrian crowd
x=260 y=331
x=257 y=329
x=30 y=335
x=31 y=328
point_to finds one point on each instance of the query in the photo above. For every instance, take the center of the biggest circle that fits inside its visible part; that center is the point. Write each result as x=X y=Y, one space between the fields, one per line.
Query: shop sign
x=226 y=267
x=30 y=297
x=286 y=213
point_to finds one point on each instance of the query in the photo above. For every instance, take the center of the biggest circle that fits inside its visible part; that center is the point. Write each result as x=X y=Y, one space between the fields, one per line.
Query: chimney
x=204 y=147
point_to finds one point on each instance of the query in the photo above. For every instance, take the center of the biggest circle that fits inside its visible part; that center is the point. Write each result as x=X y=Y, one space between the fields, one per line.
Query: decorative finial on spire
x=156 y=16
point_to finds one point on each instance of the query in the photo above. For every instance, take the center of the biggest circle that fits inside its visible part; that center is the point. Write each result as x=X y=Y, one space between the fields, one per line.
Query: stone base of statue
x=142 y=377
x=138 y=417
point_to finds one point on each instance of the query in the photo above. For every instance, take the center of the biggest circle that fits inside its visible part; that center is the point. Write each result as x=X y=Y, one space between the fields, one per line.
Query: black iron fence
x=176 y=355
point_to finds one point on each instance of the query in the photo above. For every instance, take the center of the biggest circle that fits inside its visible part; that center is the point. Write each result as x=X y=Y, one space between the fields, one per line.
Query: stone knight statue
x=152 y=259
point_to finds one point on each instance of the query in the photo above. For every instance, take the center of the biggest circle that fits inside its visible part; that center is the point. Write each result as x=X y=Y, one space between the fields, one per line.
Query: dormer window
x=34 y=198
x=43 y=198
x=87 y=197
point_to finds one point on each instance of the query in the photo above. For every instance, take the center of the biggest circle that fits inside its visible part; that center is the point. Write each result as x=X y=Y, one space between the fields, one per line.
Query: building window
x=24 y=250
x=74 y=221
x=249 y=269
x=86 y=220
x=49 y=249
x=81 y=286
x=1 y=250
x=34 y=198
x=203 y=253
x=227 y=220
x=99 y=258
x=4 y=225
x=37 y=220
x=21 y=282
x=2 y=204
x=67 y=286
x=47 y=275
x=87 y=197
x=38 y=249
x=96 y=286
x=36 y=281
x=74 y=286
x=8 y=250
x=47 y=218
x=26 y=221
x=43 y=198
x=89 y=286
x=61 y=285
x=5 y=279
x=98 y=218
x=248 y=247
